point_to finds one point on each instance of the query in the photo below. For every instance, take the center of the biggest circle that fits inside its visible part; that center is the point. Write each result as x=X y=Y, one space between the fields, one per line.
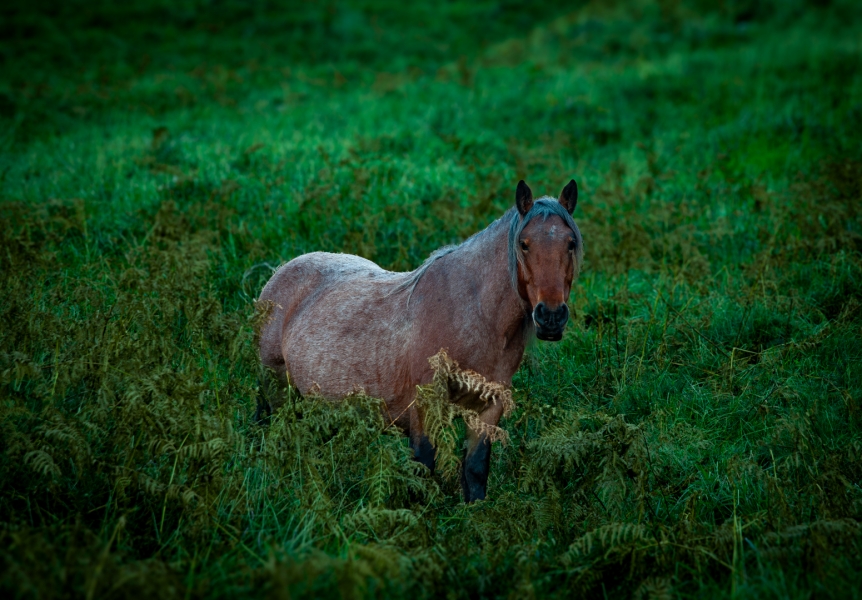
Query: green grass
x=696 y=434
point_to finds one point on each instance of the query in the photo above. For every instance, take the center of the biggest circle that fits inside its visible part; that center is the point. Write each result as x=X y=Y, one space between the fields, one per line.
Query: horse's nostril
x=552 y=319
x=539 y=313
x=563 y=314
x=556 y=318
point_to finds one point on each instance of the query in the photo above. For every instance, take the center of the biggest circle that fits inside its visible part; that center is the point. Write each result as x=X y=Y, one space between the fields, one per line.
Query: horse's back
x=333 y=324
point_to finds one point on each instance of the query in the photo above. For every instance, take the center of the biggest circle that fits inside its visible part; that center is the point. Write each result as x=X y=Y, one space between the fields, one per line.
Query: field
x=697 y=433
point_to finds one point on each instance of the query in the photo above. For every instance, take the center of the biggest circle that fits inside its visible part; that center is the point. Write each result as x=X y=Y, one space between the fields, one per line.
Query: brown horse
x=340 y=324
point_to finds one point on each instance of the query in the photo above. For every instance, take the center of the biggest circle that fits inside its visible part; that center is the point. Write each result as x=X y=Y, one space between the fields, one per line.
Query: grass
x=695 y=434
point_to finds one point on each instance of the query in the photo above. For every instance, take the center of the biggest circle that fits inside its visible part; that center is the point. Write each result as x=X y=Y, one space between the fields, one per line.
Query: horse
x=339 y=323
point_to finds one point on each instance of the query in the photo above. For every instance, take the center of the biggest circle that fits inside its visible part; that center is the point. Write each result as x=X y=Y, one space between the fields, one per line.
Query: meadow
x=697 y=433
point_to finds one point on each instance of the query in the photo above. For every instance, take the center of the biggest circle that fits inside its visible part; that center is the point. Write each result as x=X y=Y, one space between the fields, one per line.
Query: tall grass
x=695 y=434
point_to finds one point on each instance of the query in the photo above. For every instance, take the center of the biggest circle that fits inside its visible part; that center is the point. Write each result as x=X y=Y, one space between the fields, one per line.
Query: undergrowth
x=697 y=432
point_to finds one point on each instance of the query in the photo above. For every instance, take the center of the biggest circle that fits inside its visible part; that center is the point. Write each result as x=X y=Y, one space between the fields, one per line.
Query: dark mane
x=543 y=208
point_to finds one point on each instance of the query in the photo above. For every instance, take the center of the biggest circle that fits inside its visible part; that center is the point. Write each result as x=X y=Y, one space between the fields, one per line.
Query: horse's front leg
x=477 y=463
x=477 y=457
x=423 y=451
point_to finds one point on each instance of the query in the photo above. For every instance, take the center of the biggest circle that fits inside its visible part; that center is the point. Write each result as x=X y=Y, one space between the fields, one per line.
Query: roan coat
x=340 y=324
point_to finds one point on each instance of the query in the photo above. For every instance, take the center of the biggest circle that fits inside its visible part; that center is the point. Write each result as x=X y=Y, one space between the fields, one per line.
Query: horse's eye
x=524 y=246
x=572 y=245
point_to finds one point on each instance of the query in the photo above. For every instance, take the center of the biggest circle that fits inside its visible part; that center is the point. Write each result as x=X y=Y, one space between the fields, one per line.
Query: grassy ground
x=695 y=434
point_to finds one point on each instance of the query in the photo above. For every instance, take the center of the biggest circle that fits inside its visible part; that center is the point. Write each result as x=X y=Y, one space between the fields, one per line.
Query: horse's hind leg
x=270 y=394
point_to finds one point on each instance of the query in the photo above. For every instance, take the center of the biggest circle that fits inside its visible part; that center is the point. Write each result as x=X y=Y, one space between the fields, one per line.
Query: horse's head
x=545 y=252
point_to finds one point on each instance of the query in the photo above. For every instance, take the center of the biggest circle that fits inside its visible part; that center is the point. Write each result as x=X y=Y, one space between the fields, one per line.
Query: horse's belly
x=346 y=341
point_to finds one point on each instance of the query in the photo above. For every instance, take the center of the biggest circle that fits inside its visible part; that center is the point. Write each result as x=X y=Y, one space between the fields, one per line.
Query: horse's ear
x=569 y=196
x=523 y=198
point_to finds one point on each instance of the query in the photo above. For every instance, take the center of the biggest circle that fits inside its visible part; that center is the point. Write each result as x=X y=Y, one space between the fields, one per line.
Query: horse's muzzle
x=550 y=323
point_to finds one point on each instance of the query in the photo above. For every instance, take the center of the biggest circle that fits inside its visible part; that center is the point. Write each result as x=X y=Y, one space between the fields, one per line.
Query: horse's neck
x=503 y=312
x=510 y=310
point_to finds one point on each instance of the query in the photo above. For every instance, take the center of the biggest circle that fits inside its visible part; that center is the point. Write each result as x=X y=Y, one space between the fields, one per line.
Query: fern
x=458 y=393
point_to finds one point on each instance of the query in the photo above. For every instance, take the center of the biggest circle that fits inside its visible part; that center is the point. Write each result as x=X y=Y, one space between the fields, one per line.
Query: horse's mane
x=543 y=207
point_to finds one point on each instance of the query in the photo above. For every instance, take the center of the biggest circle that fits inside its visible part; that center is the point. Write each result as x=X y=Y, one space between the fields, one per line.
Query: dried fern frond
x=468 y=388
x=458 y=393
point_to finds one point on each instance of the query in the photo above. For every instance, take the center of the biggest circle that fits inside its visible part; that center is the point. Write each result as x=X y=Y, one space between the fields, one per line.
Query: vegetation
x=695 y=434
